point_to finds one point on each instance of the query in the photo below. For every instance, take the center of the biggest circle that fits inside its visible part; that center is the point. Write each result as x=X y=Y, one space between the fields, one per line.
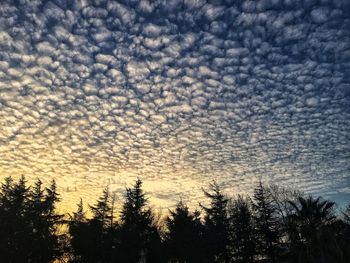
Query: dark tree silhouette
x=237 y=231
x=28 y=222
x=184 y=236
x=314 y=239
x=343 y=232
x=78 y=228
x=346 y=214
x=216 y=224
x=101 y=225
x=242 y=235
x=44 y=222
x=90 y=238
x=139 y=237
x=267 y=224
x=14 y=227
x=102 y=210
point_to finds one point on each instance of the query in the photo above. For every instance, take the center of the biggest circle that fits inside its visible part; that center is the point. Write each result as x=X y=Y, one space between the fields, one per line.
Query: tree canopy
x=274 y=225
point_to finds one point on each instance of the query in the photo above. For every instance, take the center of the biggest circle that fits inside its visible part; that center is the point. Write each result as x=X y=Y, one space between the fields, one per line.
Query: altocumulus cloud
x=95 y=93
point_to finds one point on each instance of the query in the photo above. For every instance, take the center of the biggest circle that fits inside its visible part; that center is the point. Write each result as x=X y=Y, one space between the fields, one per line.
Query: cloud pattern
x=96 y=93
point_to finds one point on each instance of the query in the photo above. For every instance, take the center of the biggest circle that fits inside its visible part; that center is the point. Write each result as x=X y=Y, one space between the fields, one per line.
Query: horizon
x=176 y=93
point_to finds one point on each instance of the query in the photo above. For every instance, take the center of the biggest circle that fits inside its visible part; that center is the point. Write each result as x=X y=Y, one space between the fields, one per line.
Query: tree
x=78 y=228
x=184 y=235
x=281 y=197
x=14 y=229
x=28 y=222
x=91 y=238
x=343 y=232
x=314 y=239
x=346 y=214
x=139 y=237
x=102 y=210
x=216 y=223
x=102 y=226
x=266 y=223
x=242 y=236
x=44 y=221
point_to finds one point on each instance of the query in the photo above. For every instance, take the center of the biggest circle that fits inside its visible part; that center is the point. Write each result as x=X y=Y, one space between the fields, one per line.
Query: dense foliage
x=274 y=225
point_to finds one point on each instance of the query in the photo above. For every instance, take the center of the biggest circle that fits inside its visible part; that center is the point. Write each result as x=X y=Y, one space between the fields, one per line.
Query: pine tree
x=28 y=222
x=139 y=236
x=242 y=236
x=5 y=195
x=184 y=235
x=100 y=226
x=102 y=210
x=13 y=222
x=80 y=234
x=216 y=224
x=267 y=224
x=80 y=215
x=346 y=214
x=93 y=239
x=43 y=221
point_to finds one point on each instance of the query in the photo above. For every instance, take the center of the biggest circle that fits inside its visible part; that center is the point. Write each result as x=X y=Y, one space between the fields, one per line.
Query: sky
x=177 y=93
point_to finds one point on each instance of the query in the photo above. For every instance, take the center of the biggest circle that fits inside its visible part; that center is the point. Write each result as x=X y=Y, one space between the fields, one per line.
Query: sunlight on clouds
x=98 y=93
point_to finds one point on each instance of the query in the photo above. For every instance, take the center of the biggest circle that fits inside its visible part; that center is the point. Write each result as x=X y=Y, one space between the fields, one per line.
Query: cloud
x=175 y=92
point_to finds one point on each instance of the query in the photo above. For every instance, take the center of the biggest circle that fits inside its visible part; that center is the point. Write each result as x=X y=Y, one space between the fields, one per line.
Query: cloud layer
x=96 y=93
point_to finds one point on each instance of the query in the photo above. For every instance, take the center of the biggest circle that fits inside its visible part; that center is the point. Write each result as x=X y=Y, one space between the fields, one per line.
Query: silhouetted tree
x=343 y=232
x=102 y=225
x=139 y=237
x=216 y=224
x=346 y=214
x=314 y=238
x=242 y=235
x=281 y=196
x=43 y=222
x=184 y=236
x=240 y=231
x=102 y=210
x=78 y=228
x=14 y=227
x=267 y=224
x=91 y=238
x=28 y=222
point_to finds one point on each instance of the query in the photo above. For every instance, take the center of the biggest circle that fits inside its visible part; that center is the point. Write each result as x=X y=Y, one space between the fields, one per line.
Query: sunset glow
x=177 y=93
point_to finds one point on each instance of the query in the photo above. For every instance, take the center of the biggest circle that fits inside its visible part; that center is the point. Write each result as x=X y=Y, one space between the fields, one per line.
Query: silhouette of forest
x=274 y=225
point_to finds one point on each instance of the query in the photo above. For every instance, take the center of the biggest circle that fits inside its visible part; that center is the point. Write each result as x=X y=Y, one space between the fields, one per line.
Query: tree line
x=274 y=225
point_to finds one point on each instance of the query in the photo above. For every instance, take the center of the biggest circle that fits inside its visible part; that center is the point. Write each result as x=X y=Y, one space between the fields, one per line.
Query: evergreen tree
x=240 y=231
x=102 y=210
x=44 y=221
x=216 y=224
x=28 y=222
x=91 y=239
x=53 y=219
x=346 y=214
x=242 y=235
x=343 y=233
x=79 y=215
x=14 y=245
x=102 y=225
x=79 y=232
x=140 y=239
x=267 y=224
x=184 y=235
x=37 y=222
